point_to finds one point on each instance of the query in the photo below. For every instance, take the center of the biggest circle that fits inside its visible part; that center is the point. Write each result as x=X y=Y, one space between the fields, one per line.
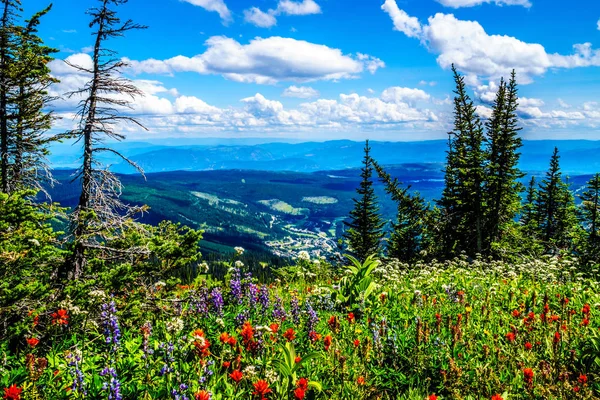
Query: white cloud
x=304 y=7
x=217 y=6
x=301 y=92
x=471 y=3
x=563 y=104
x=425 y=83
x=264 y=61
x=530 y=102
x=480 y=55
x=262 y=19
x=598 y=25
x=259 y=18
x=404 y=95
x=410 y=26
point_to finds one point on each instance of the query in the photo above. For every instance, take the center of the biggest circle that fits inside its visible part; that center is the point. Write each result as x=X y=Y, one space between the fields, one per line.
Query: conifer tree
x=11 y=11
x=556 y=208
x=462 y=201
x=410 y=233
x=100 y=211
x=590 y=215
x=529 y=218
x=29 y=144
x=365 y=230
x=502 y=186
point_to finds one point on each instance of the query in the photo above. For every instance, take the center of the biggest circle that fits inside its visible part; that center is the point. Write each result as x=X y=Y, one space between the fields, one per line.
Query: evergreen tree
x=590 y=215
x=410 y=233
x=100 y=211
x=502 y=186
x=10 y=12
x=529 y=217
x=462 y=201
x=365 y=230
x=556 y=208
x=29 y=144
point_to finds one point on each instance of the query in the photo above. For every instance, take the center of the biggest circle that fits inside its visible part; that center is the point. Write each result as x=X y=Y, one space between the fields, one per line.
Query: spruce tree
x=556 y=208
x=100 y=212
x=410 y=233
x=529 y=218
x=462 y=201
x=32 y=120
x=590 y=216
x=502 y=186
x=365 y=230
x=11 y=11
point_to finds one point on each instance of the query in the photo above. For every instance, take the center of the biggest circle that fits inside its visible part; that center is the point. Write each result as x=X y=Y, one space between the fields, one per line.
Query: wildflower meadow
x=376 y=330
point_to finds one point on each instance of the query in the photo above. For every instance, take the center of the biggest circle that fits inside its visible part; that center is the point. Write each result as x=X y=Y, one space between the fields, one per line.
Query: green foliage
x=357 y=284
x=590 y=217
x=502 y=187
x=29 y=252
x=555 y=209
x=462 y=201
x=365 y=229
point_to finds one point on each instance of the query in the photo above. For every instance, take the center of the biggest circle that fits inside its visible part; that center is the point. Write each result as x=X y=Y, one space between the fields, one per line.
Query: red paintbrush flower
x=290 y=335
x=274 y=327
x=32 y=342
x=528 y=346
x=224 y=338
x=356 y=342
x=351 y=318
x=327 y=342
x=583 y=379
x=360 y=381
x=299 y=393
x=261 y=388
x=202 y=395
x=12 y=392
x=302 y=383
x=236 y=375
x=432 y=397
x=510 y=336
x=528 y=376
x=60 y=317
x=497 y=397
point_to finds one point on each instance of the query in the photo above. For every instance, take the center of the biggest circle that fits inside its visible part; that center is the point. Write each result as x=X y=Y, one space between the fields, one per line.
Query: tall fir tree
x=8 y=30
x=411 y=233
x=502 y=186
x=32 y=119
x=100 y=212
x=463 y=199
x=590 y=216
x=556 y=209
x=365 y=230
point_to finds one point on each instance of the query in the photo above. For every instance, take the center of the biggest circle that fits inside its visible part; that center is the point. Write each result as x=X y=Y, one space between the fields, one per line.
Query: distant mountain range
x=577 y=156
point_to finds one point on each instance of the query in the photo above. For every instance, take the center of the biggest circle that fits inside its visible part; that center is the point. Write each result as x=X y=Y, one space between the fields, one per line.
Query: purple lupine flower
x=295 y=309
x=78 y=384
x=236 y=285
x=242 y=317
x=108 y=318
x=264 y=298
x=201 y=301
x=278 y=309
x=252 y=293
x=113 y=385
x=313 y=318
x=216 y=298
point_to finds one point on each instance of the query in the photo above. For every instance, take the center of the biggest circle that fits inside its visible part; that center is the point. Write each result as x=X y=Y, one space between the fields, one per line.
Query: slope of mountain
x=577 y=156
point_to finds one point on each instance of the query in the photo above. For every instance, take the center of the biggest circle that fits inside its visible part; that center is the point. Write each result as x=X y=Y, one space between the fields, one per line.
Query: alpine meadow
x=299 y=199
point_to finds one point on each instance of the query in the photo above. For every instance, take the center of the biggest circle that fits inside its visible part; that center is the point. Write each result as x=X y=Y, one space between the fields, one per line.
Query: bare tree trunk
x=3 y=101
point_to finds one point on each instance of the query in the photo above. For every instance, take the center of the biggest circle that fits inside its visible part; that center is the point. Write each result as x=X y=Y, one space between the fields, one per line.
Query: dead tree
x=105 y=100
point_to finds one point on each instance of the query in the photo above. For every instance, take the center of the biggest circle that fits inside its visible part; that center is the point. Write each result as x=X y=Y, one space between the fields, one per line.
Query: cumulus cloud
x=259 y=18
x=404 y=23
x=481 y=55
x=471 y=3
x=217 y=6
x=404 y=95
x=304 y=7
x=264 y=61
x=262 y=19
x=301 y=92
x=598 y=24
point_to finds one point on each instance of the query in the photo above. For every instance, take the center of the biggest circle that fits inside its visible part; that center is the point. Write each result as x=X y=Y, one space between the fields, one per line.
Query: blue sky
x=328 y=69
